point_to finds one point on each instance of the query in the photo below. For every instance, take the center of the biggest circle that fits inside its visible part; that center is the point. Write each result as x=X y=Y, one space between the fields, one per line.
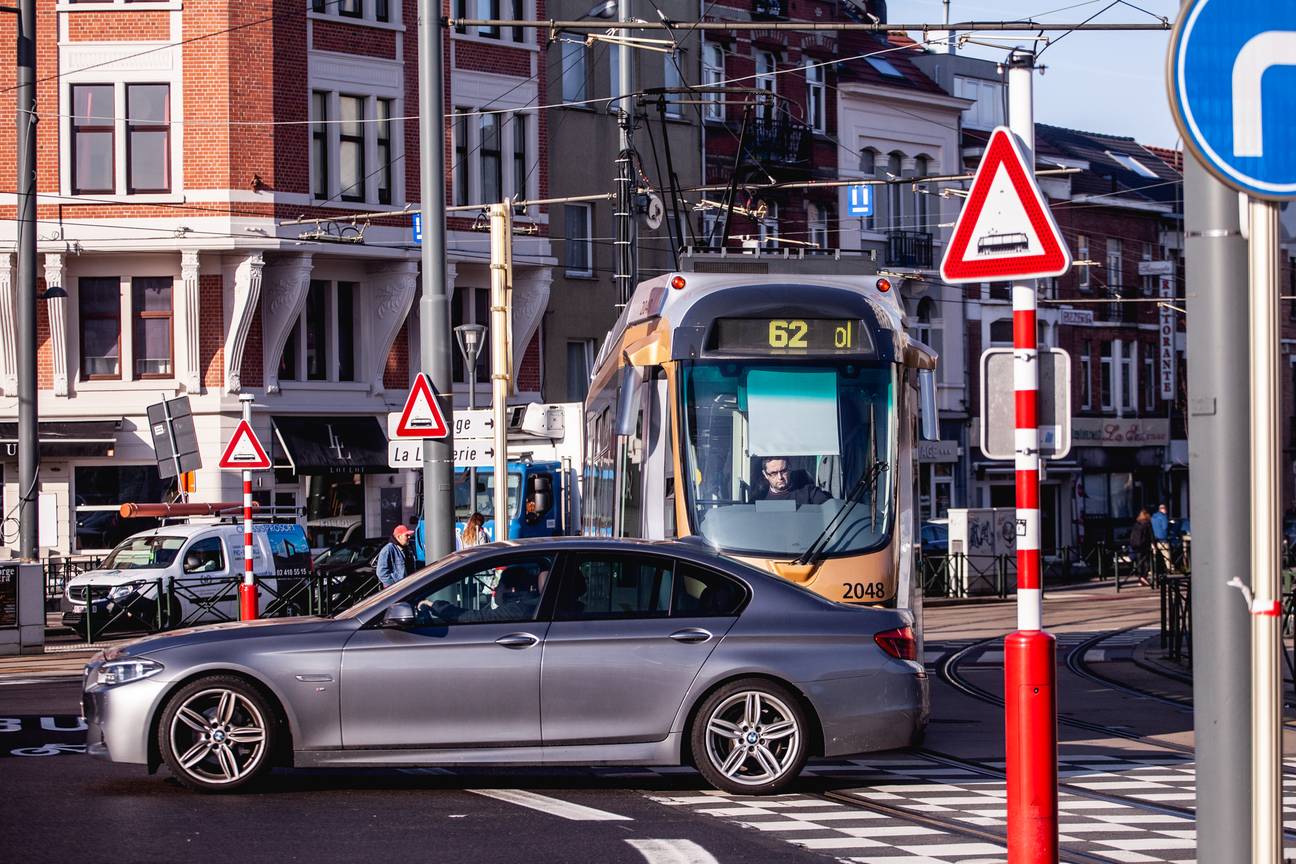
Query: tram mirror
x=627 y=402
x=927 y=405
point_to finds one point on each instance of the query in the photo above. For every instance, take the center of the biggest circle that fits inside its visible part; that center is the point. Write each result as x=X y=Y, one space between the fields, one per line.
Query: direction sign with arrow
x=1005 y=230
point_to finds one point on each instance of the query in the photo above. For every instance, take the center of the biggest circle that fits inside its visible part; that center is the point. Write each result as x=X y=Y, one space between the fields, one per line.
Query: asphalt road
x=941 y=804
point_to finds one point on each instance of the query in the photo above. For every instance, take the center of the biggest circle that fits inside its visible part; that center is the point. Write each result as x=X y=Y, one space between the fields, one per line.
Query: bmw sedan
x=556 y=651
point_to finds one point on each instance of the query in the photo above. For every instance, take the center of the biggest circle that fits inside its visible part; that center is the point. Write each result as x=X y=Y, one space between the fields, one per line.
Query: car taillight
x=899 y=643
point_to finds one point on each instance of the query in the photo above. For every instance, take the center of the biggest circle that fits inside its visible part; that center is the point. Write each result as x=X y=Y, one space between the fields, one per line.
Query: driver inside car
x=517 y=596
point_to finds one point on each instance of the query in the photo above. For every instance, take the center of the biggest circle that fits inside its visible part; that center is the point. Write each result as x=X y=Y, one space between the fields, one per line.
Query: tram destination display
x=790 y=336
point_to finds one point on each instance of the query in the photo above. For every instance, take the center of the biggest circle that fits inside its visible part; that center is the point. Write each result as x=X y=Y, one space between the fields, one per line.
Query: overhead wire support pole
x=28 y=394
x=626 y=233
x=501 y=284
x=434 y=307
x=1030 y=654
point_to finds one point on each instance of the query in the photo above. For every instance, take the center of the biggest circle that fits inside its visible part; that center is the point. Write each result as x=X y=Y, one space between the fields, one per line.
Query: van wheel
x=217 y=734
x=749 y=737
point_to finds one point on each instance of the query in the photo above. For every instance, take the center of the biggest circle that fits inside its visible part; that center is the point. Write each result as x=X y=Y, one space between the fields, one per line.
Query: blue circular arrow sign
x=1232 y=79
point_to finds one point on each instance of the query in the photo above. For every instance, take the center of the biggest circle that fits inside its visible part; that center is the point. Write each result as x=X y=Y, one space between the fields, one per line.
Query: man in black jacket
x=779 y=482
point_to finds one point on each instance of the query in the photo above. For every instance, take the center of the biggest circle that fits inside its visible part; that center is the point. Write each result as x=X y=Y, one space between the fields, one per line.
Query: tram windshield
x=776 y=452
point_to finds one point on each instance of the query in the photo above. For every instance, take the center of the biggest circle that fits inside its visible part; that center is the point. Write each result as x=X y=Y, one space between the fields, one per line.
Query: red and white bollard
x=248 y=588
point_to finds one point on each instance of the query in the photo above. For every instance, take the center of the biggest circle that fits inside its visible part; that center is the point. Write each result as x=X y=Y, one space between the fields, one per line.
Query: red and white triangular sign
x=244 y=452
x=1005 y=230
x=421 y=417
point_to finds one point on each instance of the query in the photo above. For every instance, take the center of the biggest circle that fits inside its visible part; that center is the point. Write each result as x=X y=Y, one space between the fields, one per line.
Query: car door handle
x=517 y=640
x=691 y=635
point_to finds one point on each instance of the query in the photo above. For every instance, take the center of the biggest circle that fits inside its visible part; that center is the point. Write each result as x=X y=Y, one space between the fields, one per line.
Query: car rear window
x=701 y=593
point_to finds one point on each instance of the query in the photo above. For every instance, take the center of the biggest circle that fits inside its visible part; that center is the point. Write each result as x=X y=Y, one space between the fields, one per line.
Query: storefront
x=1123 y=464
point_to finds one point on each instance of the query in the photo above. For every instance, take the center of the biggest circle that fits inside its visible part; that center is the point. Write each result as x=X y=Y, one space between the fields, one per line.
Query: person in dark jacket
x=393 y=562
x=1140 y=541
x=780 y=485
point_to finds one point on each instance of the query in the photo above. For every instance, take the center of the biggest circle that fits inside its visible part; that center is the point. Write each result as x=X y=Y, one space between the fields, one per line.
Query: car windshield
x=775 y=450
x=484 y=501
x=154 y=552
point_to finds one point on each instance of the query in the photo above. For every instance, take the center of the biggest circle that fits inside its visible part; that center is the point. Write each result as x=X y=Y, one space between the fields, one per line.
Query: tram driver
x=783 y=483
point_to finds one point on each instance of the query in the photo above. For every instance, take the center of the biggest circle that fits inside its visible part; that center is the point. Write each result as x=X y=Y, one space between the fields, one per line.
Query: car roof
x=688 y=548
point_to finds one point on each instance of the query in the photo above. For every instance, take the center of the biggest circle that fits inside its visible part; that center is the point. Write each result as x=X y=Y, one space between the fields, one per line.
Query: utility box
x=982 y=543
x=22 y=609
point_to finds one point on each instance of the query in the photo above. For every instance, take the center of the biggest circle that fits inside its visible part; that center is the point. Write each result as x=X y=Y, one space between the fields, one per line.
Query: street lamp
x=471 y=337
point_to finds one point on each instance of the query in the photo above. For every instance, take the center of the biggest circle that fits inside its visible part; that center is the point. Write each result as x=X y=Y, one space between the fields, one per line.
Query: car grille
x=77 y=593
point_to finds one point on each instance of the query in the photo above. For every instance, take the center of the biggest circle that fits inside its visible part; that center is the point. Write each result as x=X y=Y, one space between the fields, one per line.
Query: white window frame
x=573 y=63
x=332 y=324
x=816 y=96
x=817 y=225
x=1128 y=396
x=672 y=76
x=333 y=136
x=121 y=131
x=1082 y=254
x=768 y=228
x=507 y=36
x=1115 y=264
x=368 y=13
x=126 y=378
x=1108 y=396
x=587 y=350
x=588 y=272
x=712 y=76
x=767 y=79
x=1086 y=382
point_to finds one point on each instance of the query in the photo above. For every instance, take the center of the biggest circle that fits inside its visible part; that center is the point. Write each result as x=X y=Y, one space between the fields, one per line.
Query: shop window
x=100 y=490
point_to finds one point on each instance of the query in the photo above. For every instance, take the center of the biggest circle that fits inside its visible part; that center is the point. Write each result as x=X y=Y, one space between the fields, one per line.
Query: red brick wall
x=251 y=373
x=291 y=101
x=44 y=348
x=529 y=373
x=106 y=25
x=352 y=39
x=211 y=332
x=206 y=97
x=396 y=373
x=488 y=57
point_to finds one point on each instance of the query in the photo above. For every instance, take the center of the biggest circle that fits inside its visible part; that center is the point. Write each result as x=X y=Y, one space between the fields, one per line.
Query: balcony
x=909 y=249
x=779 y=141
x=768 y=10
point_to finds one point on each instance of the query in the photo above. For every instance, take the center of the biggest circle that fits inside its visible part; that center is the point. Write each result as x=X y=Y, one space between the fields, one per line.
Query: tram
x=774 y=417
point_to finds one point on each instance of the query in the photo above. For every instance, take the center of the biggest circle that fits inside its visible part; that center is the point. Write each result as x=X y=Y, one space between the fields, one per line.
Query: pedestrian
x=1161 y=538
x=473 y=533
x=1140 y=543
x=394 y=561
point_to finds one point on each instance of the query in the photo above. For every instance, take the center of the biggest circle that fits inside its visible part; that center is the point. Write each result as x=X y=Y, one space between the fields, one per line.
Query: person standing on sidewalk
x=394 y=560
x=1161 y=538
x=1140 y=542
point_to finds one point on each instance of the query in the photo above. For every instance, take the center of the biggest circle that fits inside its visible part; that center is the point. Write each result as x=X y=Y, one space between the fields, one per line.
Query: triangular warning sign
x=244 y=452
x=1005 y=230
x=421 y=417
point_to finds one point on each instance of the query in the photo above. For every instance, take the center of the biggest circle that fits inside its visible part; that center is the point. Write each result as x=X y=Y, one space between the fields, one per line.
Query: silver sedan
x=565 y=651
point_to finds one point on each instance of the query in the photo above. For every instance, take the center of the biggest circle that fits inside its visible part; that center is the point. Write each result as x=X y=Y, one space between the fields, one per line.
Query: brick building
x=175 y=141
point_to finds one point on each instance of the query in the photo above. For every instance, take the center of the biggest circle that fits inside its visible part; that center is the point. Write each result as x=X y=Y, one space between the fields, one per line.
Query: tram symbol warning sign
x=1005 y=230
x=244 y=452
x=421 y=417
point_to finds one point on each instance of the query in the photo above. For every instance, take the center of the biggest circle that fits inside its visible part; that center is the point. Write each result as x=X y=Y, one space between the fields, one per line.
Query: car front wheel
x=216 y=734
x=750 y=737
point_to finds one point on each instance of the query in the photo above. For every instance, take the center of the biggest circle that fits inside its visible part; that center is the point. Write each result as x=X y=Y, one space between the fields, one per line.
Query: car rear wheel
x=216 y=734
x=750 y=737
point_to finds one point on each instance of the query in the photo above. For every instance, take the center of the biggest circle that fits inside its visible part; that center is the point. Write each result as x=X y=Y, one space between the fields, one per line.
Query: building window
x=92 y=138
x=987 y=110
x=471 y=306
x=351 y=164
x=1114 y=265
x=520 y=171
x=767 y=80
x=671 y=79
x=817 y=226
x=574 y=73
x=151 y=305
x=99 y=491
x=350 y=8
x=711 y=230
x=1149 y=382
x=713 y=76
x=1082 y=255
x=895 y=194
x=489 y=10
x=1001 y=332
x=100 y=314
x=579 y=257
x=920 y=196
x=1106 y=371
x=930 y=327
x=317 y=335
x=382 y=10
x=460 y=170
x=148 y=138
x=1086 y=376
x=322 y=345
x=384 y=134
x=580 y=362
x=1129 y=378
x=816 y=104
x=320 y=144
x=769 y=228
x=490 y=157
x=517 y=9
x=868 y=167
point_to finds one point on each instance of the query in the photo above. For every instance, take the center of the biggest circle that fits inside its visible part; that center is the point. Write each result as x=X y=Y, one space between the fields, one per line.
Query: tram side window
x=599 y=482
x=632 y=452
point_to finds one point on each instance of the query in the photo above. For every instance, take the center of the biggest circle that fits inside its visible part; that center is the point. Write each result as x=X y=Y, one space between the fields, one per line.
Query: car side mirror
x=399 y=615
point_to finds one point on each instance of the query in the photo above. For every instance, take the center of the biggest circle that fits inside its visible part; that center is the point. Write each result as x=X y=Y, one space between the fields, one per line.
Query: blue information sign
x=859 y=200
x=418 y=228
x=1232 y=78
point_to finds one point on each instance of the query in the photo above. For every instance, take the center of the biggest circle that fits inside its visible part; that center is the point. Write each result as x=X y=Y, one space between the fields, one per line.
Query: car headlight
x=120 y=592
x=124 y=671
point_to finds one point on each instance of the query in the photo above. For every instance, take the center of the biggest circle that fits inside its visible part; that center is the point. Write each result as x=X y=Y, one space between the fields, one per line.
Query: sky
x=1096 y=81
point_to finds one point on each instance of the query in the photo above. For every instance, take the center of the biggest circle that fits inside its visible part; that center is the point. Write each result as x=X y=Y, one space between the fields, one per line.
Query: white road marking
x=552 y=806
x=672 y=852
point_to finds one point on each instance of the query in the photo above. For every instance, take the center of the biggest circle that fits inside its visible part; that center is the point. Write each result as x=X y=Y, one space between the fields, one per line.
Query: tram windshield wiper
x=867 y=481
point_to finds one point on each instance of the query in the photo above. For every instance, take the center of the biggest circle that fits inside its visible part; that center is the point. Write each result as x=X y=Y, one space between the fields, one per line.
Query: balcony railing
x=909 y=249
x=779 y=140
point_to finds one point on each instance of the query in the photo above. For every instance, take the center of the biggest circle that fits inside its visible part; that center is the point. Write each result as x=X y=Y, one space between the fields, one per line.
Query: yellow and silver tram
x=773 y=416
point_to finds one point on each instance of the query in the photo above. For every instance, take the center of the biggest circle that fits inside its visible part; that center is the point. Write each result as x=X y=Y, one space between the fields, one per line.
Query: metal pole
x=175 y=449
x=1030 y=658
x=1218 y=409
x=501 y=236
x=248 y=589
x=28 y=434
x=626 y=234
x=470 y=366
x=434 y=307
x=1266 y=529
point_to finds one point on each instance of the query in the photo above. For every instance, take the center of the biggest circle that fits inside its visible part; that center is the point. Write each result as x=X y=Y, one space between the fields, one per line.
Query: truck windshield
x=143 y=553
x=483 y=501
x=775 y=450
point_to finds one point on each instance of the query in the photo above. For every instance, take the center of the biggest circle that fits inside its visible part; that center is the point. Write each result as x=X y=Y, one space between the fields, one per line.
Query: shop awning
x=330 y=445
x=64 y=439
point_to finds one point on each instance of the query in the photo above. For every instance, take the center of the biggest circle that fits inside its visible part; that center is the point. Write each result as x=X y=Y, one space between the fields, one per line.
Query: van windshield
x=154 y=552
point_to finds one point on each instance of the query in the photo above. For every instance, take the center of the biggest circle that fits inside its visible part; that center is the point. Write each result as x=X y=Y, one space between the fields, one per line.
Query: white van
x=196 y=568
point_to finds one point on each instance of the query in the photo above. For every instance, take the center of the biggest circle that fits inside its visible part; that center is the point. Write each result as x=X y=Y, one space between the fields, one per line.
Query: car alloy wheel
x=216 y=735
x=752 y=739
